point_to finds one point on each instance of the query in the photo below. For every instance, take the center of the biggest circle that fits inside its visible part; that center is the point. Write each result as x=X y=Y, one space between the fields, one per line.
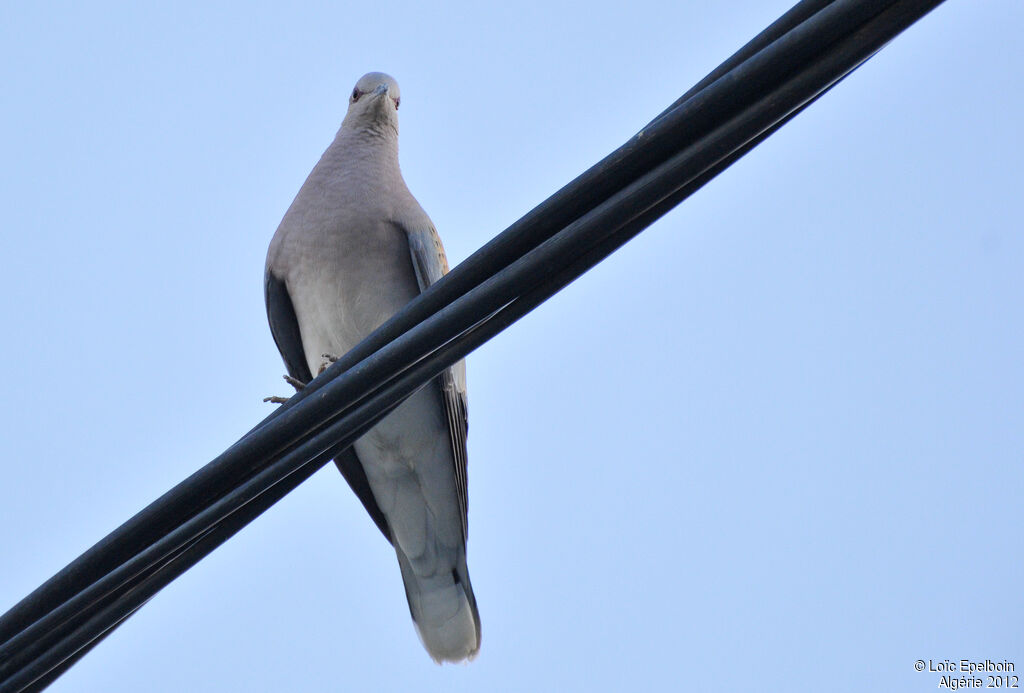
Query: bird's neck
x=364 y=159
x=374 y=137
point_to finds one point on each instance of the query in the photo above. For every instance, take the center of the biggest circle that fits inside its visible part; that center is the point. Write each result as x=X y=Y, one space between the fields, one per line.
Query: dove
x=353 y=248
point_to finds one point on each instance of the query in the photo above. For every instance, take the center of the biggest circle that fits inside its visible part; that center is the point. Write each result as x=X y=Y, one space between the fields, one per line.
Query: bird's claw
x=328 y=360
x=294 y=382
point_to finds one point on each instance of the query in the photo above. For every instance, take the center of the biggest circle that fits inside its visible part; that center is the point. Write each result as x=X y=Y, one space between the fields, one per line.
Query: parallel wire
x=64 y=618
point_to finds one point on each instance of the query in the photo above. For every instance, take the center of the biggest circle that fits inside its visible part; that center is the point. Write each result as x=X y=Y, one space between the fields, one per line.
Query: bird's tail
x=444 y=610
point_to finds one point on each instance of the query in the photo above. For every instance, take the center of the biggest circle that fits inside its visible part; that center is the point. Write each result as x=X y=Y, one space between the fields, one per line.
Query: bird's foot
x=294 y=382
x=328 y=360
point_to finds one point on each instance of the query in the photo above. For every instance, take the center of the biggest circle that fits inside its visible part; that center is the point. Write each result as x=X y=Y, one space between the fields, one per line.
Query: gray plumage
x=353 y=248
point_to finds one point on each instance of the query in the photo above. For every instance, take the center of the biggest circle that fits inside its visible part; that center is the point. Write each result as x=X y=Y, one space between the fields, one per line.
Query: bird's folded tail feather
x=444 y=610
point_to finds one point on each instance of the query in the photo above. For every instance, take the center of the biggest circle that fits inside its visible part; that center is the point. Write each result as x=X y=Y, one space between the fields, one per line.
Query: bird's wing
x=430 y=264
x=284 y=326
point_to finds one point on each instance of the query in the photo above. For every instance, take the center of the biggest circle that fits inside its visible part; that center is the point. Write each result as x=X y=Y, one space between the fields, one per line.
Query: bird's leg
x=328 y=360
x=298 y=384
x=294 y=382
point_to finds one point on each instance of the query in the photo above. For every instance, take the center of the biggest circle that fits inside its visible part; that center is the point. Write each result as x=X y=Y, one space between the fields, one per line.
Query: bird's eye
x=398 y=101
x=355 y=95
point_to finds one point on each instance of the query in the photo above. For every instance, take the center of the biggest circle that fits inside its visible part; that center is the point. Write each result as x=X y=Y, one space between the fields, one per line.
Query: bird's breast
x=356 y=273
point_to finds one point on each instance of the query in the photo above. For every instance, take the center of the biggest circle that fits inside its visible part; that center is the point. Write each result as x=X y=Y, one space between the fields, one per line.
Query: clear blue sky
x=775 y=443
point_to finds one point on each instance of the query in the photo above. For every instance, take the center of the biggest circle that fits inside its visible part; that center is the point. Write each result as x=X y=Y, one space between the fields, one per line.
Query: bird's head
x=373 y=103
